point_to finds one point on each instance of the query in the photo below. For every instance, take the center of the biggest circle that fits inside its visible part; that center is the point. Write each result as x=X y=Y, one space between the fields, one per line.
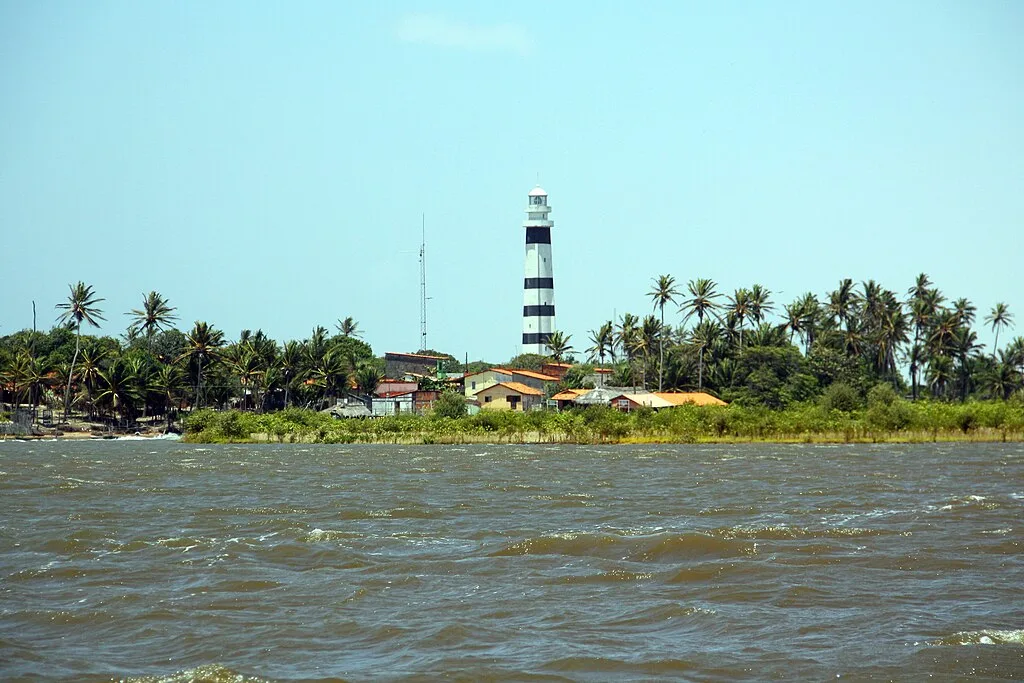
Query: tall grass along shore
x=882 y=421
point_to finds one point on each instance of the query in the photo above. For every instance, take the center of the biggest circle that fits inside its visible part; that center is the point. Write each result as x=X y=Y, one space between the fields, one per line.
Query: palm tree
x=760 y=303
x=291 y=364
x=367 y=378
x=250 y=368
x=603 y=341
x=1003 y=380
x=999 y=317
x=330 y=374
x=169 y=381
x=650 y=333
x=965 y=311
x=794 y=320
x=702 y=299
x=701 y=303
x=626 y=337
x=739 y=306
x=664 y=291
x=966 y=349
x=118 y=389
x=155 y=315
x=843 y=301
x=558 y=344
x=348 y=327
x=80 y=307
x=922 y=284
x=93 y=357
x=940 y=374
x=203 y=344
x=703 y=336
x=810 y=318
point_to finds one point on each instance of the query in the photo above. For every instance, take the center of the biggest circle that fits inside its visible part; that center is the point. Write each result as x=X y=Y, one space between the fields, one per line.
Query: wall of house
x=392 y=406
x=483 y=380
x=396 y=366
x=499 y=399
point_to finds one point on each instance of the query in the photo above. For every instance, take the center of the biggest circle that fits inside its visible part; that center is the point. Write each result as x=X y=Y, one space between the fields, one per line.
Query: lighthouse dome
x=538 y=192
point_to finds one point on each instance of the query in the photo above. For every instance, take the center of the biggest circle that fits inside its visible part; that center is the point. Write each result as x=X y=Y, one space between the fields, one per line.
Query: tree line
x=742 y=347
x=155 y=369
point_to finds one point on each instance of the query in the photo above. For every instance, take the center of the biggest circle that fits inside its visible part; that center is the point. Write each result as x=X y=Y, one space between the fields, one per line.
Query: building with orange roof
x=481 y=380
x=509 y=396
x=567 y=396
x=699 y=398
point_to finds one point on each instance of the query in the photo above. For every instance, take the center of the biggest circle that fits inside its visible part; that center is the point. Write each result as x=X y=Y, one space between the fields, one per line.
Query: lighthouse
x=539 y=283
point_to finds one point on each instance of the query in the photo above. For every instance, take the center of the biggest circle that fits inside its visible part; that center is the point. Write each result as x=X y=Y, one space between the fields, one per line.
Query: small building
x=423 y=401
x=393 y=404
x=556 y=370
x=401 y=364
x=531 y=378
x=478 y=381
x=628 y=402
x=509 y=396
x=348 y=408
x=389 y=387
x=567 y=397
x=700 y=398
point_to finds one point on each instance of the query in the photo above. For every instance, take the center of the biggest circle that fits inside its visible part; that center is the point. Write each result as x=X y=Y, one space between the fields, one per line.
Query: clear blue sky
x=265 y=165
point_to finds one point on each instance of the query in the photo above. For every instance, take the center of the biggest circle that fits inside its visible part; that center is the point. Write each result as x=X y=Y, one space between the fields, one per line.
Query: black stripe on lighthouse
x=536 y=337
x=539 y=283
x=542 y=310
x=538 y=235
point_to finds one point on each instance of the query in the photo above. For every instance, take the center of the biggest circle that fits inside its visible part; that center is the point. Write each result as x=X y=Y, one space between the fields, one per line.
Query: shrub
x=841 y=396
x=450 y=404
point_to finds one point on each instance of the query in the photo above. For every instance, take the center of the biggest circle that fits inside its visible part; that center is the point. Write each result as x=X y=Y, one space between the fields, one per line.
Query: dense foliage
x=158 y=370
x=921 y=344
x=860 y=352
x=884 y=417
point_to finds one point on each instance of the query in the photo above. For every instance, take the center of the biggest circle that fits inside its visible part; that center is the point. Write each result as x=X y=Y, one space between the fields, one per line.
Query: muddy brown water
x=157 y=561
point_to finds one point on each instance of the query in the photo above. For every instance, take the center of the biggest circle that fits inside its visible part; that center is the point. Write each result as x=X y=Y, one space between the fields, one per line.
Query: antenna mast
x=423 y=283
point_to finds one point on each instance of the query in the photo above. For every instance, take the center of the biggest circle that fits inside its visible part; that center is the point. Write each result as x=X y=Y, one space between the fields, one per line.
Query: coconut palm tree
x=330 y=374
x=348 y=327
x=202 y=346
x=367 y=378
x=965 y=311
x=650 y=333
x=118 y=389
x=291 y=364
x=760 y=303
x=703 y=336
x=155 y=315
x=80 y=307
x=664 y=291
x=558 y=344
x=998 y=318
x=603 y=340
x=702 y=299
x=739 y=306
x=843 y=302
x=169 y=381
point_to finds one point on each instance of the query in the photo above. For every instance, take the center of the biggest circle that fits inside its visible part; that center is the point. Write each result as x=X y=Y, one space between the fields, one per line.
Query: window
x=487 y=399
x=474 y=385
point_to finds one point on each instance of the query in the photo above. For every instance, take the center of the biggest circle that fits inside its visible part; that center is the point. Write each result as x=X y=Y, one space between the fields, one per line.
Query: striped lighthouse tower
x=539 y=284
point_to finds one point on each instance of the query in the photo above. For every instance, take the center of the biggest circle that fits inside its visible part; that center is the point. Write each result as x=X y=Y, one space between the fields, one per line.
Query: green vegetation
x=884 y=417
x=859 y=363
